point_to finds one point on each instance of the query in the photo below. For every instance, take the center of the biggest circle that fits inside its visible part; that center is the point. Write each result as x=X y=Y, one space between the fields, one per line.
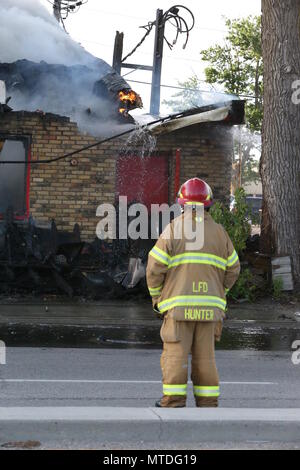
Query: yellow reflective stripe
x=154 y=255
x=191 y=261
x=232 y=259
x=192 y=300
x=203 y=391
x=154 y=291
x=198 y=258
x=155 y=288
x=191 y=203
x=233 y=254
x=163 y=253
x=196 y=253
x=180 y=389
x=160 y=255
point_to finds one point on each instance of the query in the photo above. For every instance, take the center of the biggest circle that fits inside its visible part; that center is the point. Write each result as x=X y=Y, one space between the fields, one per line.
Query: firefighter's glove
x=158 y=313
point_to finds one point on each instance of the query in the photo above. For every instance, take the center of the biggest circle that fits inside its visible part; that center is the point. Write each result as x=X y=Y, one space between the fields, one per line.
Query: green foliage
x=277 y=286
x=253 y=115
x=235 y=222
x=188 y=98
x=244 y=288
x=237 y=65
x=238 y=228
x=250 y=171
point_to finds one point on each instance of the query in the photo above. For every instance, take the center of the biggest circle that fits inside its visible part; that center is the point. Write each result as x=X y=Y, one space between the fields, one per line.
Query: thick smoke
x=28 y=31
x=45 y=70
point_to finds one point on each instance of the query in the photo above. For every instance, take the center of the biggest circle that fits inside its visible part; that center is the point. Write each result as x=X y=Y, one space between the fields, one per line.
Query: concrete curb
x=189 y=425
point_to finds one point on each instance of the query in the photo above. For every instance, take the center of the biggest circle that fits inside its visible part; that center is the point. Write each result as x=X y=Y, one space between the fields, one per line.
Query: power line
x=174 y=17
x=144 y=53
x=128 y=73
x=113 y=13
x=95 y=144
x=193 y=89
x=187 y=59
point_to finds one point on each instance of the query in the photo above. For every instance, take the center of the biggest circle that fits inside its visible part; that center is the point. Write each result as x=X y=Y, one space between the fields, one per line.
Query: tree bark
x=280 y=161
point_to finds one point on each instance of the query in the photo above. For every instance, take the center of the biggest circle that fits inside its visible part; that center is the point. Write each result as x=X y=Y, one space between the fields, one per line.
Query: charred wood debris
x=38 y=261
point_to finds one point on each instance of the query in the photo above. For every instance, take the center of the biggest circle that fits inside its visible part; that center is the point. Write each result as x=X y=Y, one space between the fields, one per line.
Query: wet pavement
x=266 y=326
x=236 y=335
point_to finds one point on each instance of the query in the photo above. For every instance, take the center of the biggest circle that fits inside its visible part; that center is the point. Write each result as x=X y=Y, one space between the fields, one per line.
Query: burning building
x=57 y=109
x=35 y=194
x=71 y=189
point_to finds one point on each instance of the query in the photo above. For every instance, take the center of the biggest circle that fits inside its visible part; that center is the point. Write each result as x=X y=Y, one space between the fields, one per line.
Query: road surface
x=76 y=396
x=114 y=377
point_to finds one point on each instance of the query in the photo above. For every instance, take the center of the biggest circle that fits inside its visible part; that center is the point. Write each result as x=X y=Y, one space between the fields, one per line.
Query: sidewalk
x=129 y=324
x=107 y=424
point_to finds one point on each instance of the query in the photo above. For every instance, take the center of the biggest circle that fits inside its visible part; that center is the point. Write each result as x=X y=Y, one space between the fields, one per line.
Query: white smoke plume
x=28 y=31
x=44 y=69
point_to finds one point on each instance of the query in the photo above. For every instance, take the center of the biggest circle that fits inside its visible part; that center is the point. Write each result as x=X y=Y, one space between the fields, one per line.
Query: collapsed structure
x=48 y=210
x=69 y=191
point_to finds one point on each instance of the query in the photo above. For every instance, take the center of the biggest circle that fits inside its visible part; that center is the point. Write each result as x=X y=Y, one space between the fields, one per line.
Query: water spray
x=100 y=142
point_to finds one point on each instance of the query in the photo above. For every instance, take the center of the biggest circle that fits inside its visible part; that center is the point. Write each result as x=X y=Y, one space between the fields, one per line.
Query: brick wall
x=71 y=194
x=206 y=152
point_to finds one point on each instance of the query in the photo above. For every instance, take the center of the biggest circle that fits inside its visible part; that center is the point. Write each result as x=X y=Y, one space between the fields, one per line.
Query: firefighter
x=188 y=291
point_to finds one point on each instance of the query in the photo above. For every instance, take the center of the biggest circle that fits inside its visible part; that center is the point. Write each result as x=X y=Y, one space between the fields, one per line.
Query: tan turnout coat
x=192 y=284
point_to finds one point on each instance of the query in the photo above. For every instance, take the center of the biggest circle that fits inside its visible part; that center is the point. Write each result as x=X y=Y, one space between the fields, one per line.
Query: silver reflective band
x=203 y=391
x=198 y=258
x=192 y=300
x=160 y=255
x=155 y=291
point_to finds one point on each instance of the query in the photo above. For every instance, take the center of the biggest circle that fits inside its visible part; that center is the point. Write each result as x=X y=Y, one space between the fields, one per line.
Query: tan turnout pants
x=179 y=339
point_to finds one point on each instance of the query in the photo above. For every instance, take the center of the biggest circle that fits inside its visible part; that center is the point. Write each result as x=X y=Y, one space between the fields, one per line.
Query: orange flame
x=129 y=96
x=129 y=100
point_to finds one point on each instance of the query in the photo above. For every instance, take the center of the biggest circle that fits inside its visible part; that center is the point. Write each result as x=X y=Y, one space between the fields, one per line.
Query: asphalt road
x=102 y=398
x=114 y=377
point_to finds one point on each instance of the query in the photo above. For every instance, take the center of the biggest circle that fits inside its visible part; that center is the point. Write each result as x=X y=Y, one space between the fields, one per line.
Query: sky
x=95 y=23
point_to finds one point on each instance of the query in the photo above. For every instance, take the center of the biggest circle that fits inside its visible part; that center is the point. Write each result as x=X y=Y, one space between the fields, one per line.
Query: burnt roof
x=66 y=90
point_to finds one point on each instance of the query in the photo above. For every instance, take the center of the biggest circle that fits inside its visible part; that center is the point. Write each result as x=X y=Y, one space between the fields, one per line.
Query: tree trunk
x=280 y=162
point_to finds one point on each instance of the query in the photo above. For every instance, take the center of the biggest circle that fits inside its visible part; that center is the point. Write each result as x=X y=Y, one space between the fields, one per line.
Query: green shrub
x=237 y=225
x=277 y=286
x=244 y=288
x=235 y=222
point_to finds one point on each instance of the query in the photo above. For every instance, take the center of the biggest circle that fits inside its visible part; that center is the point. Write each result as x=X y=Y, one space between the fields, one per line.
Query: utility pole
x=62 y=8
x=157 y=63
x=57 y=9
x=157 y=60
x=174 y=16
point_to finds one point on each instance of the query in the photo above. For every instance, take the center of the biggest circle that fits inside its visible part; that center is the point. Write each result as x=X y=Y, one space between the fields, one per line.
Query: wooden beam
x=118 y=52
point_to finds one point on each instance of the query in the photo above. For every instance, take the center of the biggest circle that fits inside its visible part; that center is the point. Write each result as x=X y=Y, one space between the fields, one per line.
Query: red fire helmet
x=195 y=191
